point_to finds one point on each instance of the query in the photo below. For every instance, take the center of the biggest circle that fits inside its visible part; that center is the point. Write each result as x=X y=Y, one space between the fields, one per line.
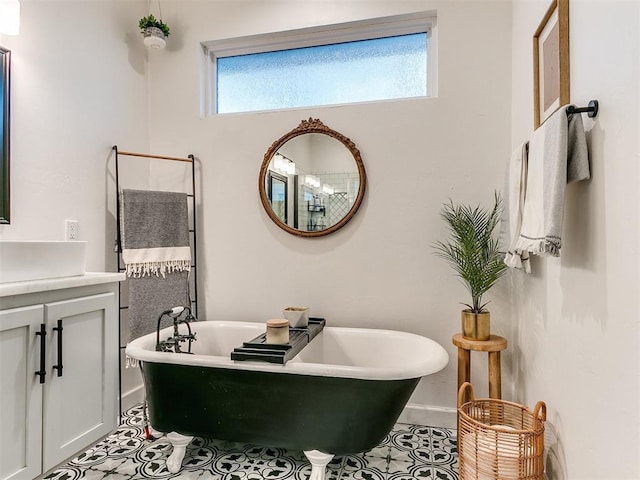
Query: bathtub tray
x=258 y=349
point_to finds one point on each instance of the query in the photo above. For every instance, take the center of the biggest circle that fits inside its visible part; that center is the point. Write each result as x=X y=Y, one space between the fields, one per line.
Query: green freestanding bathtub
x=341 y=394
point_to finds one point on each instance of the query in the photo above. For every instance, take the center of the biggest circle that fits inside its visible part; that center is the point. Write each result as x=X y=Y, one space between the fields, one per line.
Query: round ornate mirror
x=312 y=180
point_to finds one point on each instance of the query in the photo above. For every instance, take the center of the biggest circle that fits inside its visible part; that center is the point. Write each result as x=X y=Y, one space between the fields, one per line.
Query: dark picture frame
x=551 y=62
x=5 y=152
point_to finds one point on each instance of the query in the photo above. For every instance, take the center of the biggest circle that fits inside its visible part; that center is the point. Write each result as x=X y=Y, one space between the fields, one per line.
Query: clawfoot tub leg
x=179 y=442
x=319 y=462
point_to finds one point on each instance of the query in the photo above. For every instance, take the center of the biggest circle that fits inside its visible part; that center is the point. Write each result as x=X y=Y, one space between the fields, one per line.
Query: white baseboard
x=132 y=397
x=429 y=415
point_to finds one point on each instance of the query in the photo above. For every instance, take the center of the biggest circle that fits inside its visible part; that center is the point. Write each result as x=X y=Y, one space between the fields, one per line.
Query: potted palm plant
x=154 y=31
x=473 y=252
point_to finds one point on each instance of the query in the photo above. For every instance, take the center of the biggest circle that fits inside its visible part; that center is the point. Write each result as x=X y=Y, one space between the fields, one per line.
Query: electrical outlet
x=71 y=230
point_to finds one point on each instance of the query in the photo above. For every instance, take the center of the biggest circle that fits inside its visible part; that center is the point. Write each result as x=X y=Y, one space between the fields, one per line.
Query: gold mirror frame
x=311 y=126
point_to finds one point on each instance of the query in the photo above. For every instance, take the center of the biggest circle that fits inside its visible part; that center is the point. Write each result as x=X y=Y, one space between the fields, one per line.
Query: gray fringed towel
x=156 y=253
x=150 y=296
x=155 y=232
x=557 y=155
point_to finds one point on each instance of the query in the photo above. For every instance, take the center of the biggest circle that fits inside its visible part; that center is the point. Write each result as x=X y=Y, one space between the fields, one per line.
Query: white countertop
x=34 y=286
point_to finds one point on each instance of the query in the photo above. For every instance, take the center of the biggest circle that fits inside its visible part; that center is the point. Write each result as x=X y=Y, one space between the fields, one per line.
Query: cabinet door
x=20 y=393
x=81 y=393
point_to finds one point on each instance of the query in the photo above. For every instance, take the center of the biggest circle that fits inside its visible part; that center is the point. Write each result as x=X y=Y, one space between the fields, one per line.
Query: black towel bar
x=591 y=109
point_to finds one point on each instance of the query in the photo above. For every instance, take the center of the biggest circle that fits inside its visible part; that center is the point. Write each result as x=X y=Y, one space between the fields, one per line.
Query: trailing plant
x=151 y=21
x=472 y=250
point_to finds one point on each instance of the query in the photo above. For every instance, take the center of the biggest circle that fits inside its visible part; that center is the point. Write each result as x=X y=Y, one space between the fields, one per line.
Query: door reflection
x=277 y=190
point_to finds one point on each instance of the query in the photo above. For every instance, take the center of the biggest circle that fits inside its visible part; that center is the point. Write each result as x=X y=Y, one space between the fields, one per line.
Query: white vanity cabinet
x=20 y=393
x=58 y=371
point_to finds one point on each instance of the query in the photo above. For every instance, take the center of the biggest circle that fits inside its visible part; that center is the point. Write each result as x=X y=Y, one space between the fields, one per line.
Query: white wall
x=576 y=335
x=79 y=86
x=380 y=270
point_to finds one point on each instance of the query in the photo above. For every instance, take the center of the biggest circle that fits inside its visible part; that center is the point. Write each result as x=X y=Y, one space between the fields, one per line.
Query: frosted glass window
x=358 y=71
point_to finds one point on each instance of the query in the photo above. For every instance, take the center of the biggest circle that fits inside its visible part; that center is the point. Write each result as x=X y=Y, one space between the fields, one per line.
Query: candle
x=277 y=331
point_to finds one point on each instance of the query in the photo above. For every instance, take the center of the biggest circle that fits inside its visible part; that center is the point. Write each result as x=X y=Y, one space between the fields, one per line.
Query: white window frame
x=420 y=22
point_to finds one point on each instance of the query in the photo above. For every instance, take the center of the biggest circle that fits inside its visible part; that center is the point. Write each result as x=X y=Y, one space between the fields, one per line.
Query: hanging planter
x=154 y=31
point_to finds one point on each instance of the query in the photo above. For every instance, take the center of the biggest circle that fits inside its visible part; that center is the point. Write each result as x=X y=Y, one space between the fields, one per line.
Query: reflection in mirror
x=5 y=62
x=277 y=188
x=315 y=174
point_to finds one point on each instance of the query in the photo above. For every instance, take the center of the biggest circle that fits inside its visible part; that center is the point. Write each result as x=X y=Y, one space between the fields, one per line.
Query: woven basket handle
x=463 y=388
x=540 y=407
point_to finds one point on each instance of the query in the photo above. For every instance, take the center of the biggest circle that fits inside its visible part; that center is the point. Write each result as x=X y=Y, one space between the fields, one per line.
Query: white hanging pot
x=154 y=38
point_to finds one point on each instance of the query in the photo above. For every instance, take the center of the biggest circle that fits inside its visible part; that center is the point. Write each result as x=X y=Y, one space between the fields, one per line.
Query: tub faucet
x=172 y=344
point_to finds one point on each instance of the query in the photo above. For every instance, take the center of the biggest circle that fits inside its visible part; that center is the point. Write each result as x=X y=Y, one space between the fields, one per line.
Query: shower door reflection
x=277 y=191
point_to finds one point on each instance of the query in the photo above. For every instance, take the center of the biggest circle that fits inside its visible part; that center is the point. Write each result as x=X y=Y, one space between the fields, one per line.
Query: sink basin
x=23 y=260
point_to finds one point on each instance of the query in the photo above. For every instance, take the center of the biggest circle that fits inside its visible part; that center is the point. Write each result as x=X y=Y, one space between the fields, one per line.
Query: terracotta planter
x=475 y=326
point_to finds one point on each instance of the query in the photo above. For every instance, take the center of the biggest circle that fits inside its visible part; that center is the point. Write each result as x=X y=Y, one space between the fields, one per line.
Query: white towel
x=557 y=156
x=514 y=195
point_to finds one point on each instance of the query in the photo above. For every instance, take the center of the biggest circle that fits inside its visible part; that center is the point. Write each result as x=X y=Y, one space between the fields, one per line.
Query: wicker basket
x=499 y=440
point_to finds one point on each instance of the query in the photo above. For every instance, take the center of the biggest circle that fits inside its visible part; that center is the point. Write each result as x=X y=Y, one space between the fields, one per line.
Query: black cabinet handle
x=58 y=329
x=43 y=334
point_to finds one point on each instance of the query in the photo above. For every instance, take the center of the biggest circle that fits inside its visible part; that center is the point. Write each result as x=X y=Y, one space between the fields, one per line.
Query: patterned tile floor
x=409 y=452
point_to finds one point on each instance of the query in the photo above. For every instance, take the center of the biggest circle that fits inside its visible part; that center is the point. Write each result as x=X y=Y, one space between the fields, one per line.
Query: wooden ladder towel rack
x=193 y=293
